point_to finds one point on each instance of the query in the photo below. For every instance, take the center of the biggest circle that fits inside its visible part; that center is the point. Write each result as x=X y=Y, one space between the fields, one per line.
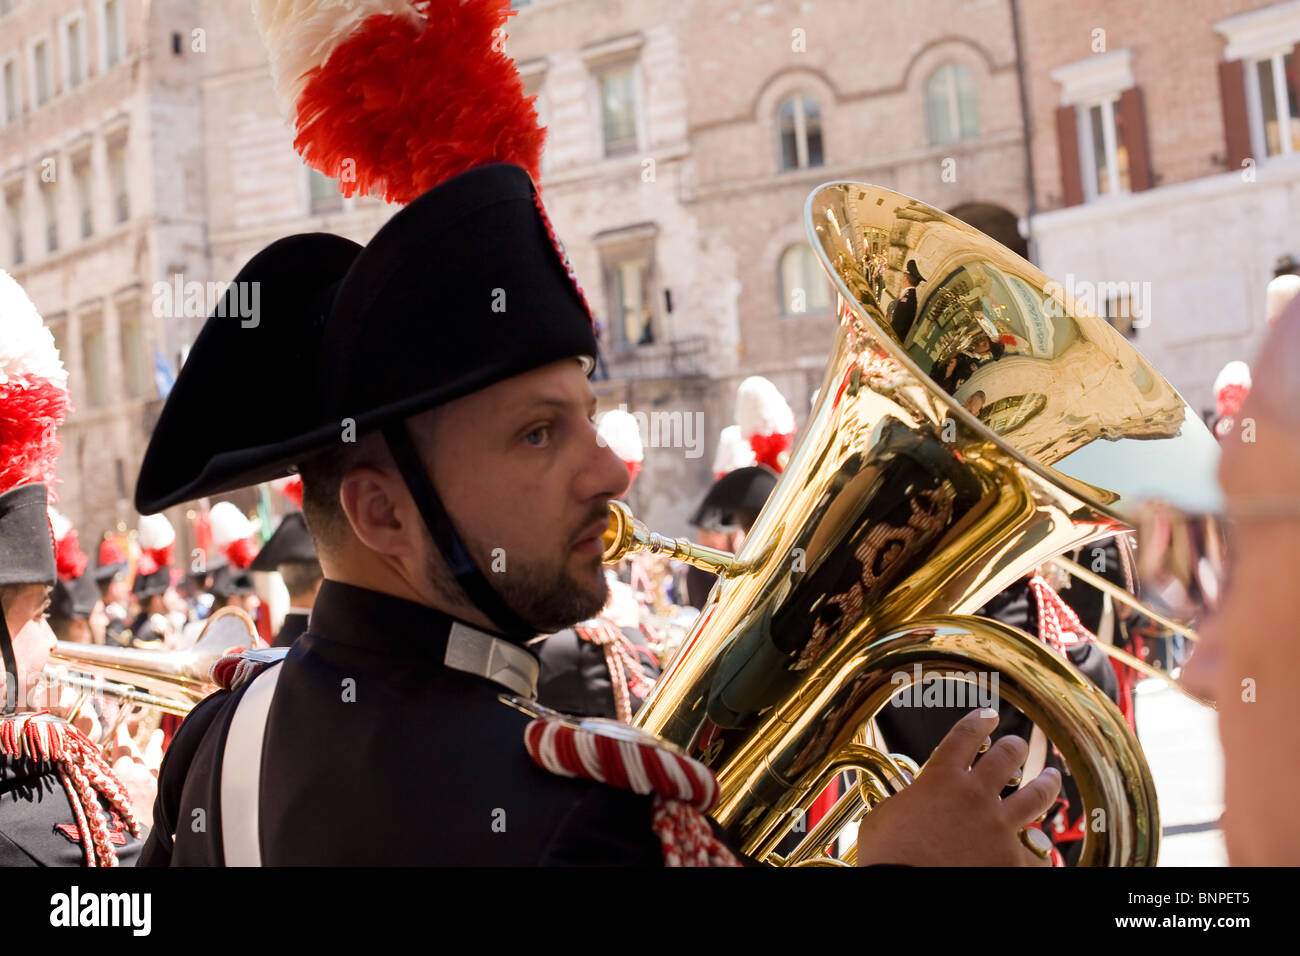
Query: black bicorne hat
x=229 y=580
x=75 y=599
x=735 y=499
x=152 y=584
x=463 y=288
x=291 y=542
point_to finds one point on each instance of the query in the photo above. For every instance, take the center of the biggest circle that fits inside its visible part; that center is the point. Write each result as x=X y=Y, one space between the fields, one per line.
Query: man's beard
x=546 y=596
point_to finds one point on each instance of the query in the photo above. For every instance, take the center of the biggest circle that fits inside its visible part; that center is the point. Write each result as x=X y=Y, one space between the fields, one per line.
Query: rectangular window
x=618 y=110
x=50 y=203
x=11 y=91
x=1274 y=105
x=114 y=47
x=75 y=53
x=117 y=177
x=85 y=197
x=1104 y=155
x=325 y=196
x=136 y=361
x=14 y=224
x=629 y=286
x=92 y=358
x=41 y=72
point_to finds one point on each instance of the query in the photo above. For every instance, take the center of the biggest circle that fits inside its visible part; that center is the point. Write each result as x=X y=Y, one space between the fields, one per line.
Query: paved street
x=1182 y=745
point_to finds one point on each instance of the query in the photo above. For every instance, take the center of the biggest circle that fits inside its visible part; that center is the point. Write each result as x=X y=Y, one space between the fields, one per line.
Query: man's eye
x=538 y=436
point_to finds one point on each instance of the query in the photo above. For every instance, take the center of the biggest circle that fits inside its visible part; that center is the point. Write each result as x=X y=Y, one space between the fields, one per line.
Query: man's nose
x=607 y=475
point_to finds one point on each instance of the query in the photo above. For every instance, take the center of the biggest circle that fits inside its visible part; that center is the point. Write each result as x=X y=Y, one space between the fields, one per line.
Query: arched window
x=799 y=123
x=951 y=104
x=803 y=285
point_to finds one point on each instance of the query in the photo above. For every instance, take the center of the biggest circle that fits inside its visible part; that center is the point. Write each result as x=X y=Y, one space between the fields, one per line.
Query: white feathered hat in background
x=1231 y=386
x=618 y=430
x=766 y=421
x=233 y=534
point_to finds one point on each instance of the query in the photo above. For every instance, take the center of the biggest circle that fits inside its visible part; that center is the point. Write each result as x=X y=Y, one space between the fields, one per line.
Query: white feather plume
x=1234 y=373
x=734 y=451
x=229 y=524
x=59 y=524
x=27 y=347
x=156 y=532
x=1281 y=290
x=618 y=429
x=761 y=409
x=301 y=34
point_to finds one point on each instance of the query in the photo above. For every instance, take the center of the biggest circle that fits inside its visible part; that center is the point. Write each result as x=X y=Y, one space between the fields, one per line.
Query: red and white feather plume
x=619 y=431
x=157 y=539
x=69 y=559
x=291 y=487
x=392 y=97
x=233 y=534
x=733 y=452
x=1231 y=386
x=766 y=421
x=33 y=392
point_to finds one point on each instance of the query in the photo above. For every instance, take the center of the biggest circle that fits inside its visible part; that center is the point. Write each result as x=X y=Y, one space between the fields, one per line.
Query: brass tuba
x=973 y=423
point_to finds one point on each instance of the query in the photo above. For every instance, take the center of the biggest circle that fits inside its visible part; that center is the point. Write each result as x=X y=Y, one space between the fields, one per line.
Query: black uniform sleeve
x=607 y=827
x=171 y=779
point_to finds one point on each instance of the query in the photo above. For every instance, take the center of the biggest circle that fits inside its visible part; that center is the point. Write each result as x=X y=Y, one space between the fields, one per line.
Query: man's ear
x=380 y=511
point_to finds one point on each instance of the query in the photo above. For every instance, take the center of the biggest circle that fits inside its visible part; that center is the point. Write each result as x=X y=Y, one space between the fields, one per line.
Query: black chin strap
x=448 y=540
x=11 y=667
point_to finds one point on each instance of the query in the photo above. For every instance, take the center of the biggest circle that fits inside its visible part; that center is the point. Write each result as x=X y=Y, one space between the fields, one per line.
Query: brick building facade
x=684 y=137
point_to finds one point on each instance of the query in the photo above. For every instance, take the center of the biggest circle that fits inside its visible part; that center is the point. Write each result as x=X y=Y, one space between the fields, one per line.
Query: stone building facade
x=684 y=138
x=739 y=111
x=1167 y=152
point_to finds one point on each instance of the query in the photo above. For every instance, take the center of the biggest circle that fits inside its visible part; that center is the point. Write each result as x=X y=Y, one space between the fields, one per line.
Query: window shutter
x=1067 y=145
x=1133 y=127
x=1236 y=125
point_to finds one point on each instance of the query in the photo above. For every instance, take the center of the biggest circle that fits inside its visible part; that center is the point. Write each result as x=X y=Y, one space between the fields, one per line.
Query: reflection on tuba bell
x=966 y=431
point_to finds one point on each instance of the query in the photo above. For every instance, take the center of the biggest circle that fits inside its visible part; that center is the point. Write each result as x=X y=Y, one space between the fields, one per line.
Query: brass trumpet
x=970 y=426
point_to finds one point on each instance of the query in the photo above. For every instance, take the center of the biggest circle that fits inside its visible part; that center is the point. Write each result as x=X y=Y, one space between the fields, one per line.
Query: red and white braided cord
x=684 y=790
x=625 y=672
x=84 y=774
x=1058 y=625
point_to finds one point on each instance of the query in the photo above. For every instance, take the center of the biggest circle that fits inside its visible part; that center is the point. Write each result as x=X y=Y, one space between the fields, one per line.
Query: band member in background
x=232 y=587
x=724 y=517
x=153 y=628
x=77 y=612
x=53 y=812
x=292 y=553
x=112 y=576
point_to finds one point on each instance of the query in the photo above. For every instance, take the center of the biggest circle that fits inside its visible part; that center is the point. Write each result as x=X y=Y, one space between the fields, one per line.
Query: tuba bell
x=973 y=423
